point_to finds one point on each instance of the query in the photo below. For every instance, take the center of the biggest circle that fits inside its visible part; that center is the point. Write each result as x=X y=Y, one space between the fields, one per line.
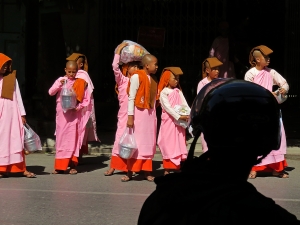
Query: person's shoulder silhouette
x=207 y=191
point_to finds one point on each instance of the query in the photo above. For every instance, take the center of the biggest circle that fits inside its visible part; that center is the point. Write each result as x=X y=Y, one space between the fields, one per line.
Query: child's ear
x=207 y=70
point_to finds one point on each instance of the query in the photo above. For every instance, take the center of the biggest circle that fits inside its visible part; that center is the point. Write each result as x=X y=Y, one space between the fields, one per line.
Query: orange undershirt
x=134 y=165
x=168 y=164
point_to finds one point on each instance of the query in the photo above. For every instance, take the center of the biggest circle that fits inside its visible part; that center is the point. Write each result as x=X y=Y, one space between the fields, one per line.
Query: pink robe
x=171 y=139
x=86 y=118
x=220 y=50
x=265 y=79
x=67 y=143
x=122 y=83
x=11 y=128
x=201 y=84
x=145 y=125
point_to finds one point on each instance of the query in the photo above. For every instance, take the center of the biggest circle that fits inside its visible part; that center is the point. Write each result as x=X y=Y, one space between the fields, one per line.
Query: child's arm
x=280 y=81
x=183 y=100
x=56 y=86
x=85 y=101
x=249 y=76
x=119 y=77
x=20 y=102
x=134 y=86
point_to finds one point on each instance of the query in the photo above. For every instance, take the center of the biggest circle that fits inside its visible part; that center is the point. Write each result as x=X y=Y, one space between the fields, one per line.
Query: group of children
x=139 y=93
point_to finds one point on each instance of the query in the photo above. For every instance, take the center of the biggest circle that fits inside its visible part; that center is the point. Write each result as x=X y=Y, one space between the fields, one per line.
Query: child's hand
x=282 y=91
x=185 y=118
x=62 y=81
x=130 y=121
x=23 y=119
x=120 y=47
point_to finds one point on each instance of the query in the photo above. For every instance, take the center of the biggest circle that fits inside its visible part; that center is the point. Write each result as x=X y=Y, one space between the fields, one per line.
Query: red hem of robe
x=136 y=165
x=278 y=167
x=14 y=168
x=118 y=163
x=63 y=164
x=168 y=164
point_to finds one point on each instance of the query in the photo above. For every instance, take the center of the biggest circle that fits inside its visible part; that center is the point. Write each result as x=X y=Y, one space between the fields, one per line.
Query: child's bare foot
x=28 y=174
x=58 y=172
x=127 y=177
x=281 y=174
x=73 y=171
x=109 y=172
x=148 y=177
x=166 y=172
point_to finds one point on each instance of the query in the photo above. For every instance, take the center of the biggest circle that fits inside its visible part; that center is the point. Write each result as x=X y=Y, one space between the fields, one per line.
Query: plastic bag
x=67 y=98
x=182 y=110
x=132 y=52
x=280 y=97
x=32 y=141
x=127 y=144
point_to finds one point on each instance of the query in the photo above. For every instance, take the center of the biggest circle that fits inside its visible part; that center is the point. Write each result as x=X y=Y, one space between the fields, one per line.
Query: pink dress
x=122 y=83
x=171 y=139
x=266 y=79
x=86 y=118
x=11 y=128
x=220 y=50
x=67 y=144
x=201 y=84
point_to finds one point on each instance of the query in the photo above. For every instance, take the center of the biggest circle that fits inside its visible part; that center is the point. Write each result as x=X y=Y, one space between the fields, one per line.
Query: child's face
x=4 y=68
x=264 y=60
x=152 y=66
x=71 y=71
x=174 y=80
x=131 y=70
x=213 y=72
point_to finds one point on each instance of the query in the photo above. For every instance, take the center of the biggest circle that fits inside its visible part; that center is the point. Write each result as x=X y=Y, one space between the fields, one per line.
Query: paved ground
x=91 y=198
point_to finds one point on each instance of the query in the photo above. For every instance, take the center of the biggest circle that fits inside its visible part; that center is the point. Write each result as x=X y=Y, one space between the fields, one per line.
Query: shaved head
x=71 y=64
x=147 y=59
x=256 y=53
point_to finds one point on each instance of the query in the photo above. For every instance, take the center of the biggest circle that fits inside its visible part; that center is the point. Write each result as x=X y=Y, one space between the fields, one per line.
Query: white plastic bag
x=127 y=144
x=32 y=141
x=132 y=52
x=182 y=110
x=67 y=98
x=280 y=97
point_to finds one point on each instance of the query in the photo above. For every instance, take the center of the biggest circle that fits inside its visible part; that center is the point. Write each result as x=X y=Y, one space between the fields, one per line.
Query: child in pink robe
x=67 y=123
x=142 y=91
x=266 y=77
x=122 y=79
x=12 y=118
x=87 y=117
x=210 y=71
x=171 y=138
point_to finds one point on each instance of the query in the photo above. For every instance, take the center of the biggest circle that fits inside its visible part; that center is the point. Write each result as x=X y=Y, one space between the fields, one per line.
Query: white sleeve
x=183 y=100
x=165 y=104
x=279 y=80
x=134 y=86
x=249 y=76
x=19 y=99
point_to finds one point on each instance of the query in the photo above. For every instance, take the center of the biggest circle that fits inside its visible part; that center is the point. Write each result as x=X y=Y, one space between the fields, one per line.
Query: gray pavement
x=91 y=198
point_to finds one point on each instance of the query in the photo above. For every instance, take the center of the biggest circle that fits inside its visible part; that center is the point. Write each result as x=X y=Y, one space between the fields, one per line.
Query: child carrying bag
x=32 y=141
x=127 y=144
x=67 y=98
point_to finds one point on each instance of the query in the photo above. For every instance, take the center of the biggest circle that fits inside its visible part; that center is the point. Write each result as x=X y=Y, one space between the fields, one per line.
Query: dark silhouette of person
x=241 y=125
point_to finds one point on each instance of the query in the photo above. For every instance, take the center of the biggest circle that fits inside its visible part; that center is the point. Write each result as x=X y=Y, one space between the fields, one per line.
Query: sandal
x=126 y=178
x=73 y=172
x=281 y=174
x=252 y=175
x=28 y=174
x=109 y=172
